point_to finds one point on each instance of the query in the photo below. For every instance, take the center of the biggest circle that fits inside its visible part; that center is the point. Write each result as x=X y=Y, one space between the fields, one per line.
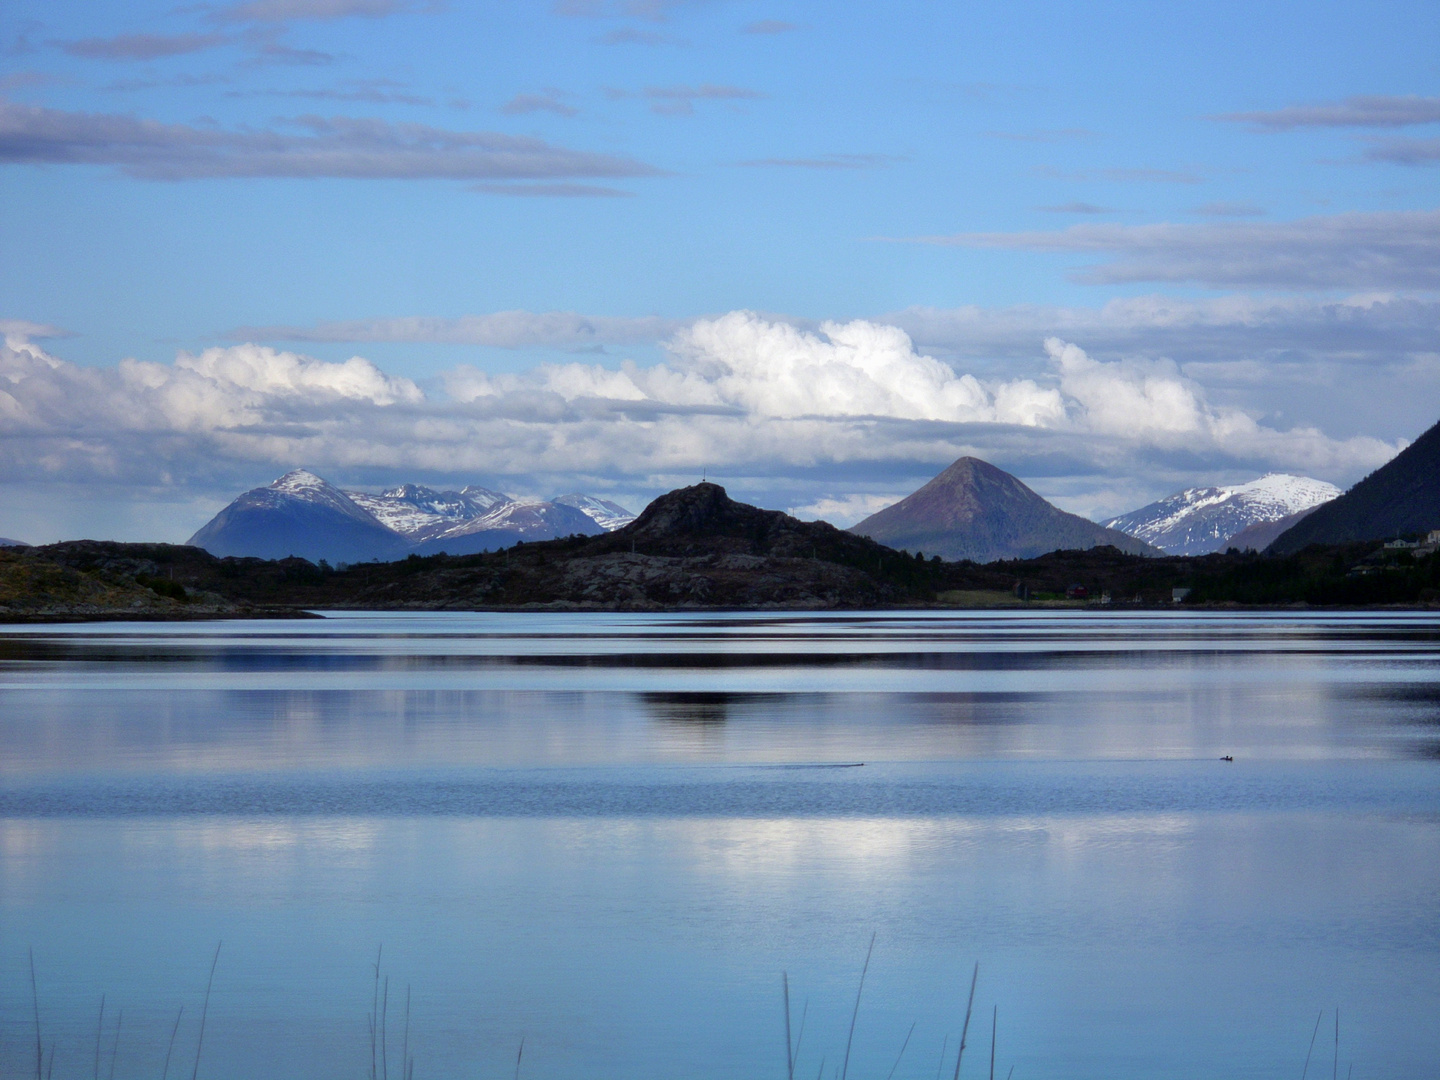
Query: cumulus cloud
x=1364 y=110
x=834 y=412
x=312 y=147
x=1378 y=250
x=1151 y=401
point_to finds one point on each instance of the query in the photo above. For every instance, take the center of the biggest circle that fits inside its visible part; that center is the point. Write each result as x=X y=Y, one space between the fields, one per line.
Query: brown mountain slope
x=1400 y=498
x=975 y=511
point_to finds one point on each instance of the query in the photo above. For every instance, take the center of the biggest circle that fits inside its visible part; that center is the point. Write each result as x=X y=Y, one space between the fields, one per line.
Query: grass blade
x=1306 y=1070
x=800 y=1036
x=900 y=1055
x=965 y=1031
x=405 y=1040
x=35 y=1002
x=384 y=1024
x=994 y=1019
x=115 y=1049
x=844 y=1072
x=789 y=1046
x=375 y=1012
x=205 y=1011
x=171 y=1048
x=99 y=1027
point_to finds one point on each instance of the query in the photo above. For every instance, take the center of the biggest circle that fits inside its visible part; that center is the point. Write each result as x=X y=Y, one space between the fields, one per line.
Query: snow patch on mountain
x=419 y=512
x=306 y=486
x=608 y=515
x=1203 y=520
x=302 y=513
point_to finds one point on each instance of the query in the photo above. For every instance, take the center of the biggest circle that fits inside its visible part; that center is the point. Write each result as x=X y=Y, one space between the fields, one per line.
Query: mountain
x=507 y=524
x=421 y=513
x=1399 y=498
x=12 y=543
x=302 y=514
x=608 y=515
x=1262 y=534
x=975 y=511
x=1201 y=520
x=299 y=514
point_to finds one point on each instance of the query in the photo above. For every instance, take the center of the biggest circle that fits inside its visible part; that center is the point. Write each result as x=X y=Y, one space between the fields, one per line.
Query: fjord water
x=610 y=834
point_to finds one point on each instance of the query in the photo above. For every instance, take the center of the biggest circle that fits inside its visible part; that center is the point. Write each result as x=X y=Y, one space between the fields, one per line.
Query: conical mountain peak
x=974 y=510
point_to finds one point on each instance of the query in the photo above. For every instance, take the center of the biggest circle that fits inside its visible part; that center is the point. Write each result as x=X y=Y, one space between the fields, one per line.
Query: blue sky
x=1227 y=212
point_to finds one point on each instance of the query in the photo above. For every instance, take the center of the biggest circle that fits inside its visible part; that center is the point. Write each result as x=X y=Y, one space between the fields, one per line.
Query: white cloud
x=846 y=510
x=836 y=418
x=1149 y=401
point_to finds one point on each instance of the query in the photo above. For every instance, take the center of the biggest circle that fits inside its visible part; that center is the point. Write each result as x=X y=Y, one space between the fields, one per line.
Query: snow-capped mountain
x=508 y=523
x=299 y=514
x=1202 y=520
x=608 y=515
x=305 y=515
x=421 y=513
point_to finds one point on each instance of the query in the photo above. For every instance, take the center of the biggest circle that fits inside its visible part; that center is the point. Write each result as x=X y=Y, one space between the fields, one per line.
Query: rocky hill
x=85 y=580
x=1400 y=498
x=975 y=511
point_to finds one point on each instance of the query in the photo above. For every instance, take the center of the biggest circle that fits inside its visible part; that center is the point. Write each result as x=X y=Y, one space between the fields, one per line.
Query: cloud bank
x=832 y=412
x=1364 y=110
x=1378 y=250
x=303 y=147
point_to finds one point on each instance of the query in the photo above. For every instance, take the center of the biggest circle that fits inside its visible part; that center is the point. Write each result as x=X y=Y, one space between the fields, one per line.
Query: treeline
x=1337 y=575
x=1331 y=575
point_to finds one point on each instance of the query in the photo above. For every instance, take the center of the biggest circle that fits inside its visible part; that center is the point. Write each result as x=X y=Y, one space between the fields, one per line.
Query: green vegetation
x=1330 y=575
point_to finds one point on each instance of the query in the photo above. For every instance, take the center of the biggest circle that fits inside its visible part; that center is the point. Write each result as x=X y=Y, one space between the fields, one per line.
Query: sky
x=814 y=252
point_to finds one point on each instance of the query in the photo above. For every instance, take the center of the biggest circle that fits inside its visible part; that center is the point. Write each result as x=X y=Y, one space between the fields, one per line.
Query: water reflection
x=611 y=833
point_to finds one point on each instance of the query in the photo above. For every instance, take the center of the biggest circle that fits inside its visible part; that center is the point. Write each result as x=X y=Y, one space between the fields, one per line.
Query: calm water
x=610 y=834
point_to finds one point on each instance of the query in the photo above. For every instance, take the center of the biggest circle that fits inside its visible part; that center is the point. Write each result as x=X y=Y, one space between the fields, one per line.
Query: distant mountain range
x=304 y=515
x=1400 y=498
x=1202 y=520
x=4 y=542
x=975 y=511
